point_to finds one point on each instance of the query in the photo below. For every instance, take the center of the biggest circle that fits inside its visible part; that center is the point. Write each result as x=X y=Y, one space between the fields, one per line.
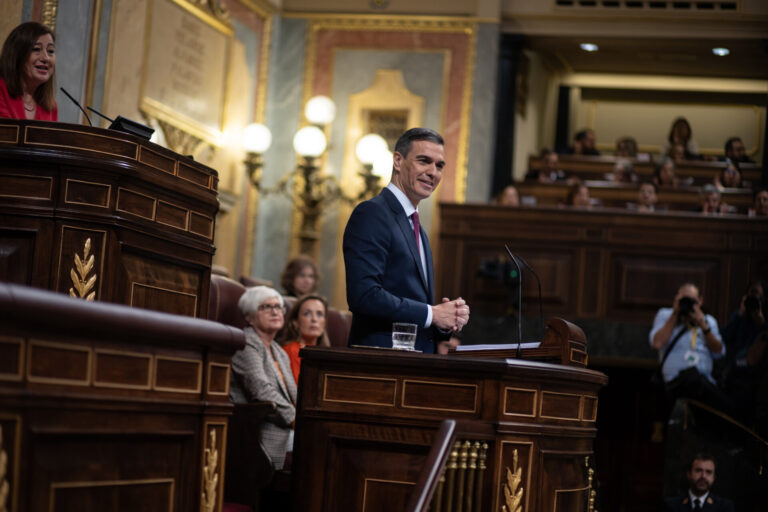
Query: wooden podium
x=367 y=418
x=145 y=214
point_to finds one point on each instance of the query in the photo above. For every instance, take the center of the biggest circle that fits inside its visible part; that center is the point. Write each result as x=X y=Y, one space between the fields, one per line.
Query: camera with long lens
x=685 y=308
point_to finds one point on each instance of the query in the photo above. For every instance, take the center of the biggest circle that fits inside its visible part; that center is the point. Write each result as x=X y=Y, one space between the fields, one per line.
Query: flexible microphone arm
x=518 y=354
x=99 y=114
x=77 y=105
x=538 y=281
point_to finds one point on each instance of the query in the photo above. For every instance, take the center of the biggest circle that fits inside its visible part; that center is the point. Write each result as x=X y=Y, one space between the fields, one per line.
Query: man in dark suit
x=701 y=476
x=389 y=270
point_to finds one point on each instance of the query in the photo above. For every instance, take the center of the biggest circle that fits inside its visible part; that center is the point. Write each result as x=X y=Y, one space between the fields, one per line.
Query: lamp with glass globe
x=373 y=153
x=256 y=140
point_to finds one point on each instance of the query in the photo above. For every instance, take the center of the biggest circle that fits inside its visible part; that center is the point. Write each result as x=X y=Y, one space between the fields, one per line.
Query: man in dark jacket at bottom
x=701 y=476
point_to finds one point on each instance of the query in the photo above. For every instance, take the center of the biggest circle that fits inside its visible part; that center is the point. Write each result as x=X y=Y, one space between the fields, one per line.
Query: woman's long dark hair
x=16 y=49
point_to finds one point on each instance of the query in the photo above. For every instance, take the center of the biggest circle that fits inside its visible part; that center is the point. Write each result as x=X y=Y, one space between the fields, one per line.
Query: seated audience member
x=623 y=172
x=677 y=153
x=578 y=196
x=680 y=133
x=507 y=197
x=27 y=74
x=664 y=173
x=759 y=203
x=699 y=497
x=300 y=277
x=262 y=370
x=646 y=197
x=735 y=151
x=626 y=147
x=305 y=327
x=583 y=144
x=710 y=201
x=688 y=342
x=746 y=325
x=729 y=177
x=549 y=171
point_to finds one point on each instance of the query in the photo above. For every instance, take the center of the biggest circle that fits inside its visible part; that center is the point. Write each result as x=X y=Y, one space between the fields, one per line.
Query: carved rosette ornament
x=513 y=496
x=4 y=487
x=79 y=275
x=210 y=476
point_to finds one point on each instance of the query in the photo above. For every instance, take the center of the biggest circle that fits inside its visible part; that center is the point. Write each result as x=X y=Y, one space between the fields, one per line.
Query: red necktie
x=416 y=231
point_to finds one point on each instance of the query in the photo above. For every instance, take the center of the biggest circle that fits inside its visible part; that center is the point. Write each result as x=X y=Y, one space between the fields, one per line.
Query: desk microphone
x=99 y=114
x=538 y=281
x=519 y=303
x=77 y=105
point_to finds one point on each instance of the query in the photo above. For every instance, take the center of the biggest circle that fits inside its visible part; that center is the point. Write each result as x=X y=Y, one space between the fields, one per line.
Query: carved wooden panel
x=17 y=256
x=64 y=137
x=122 y=369
x=154 y=284
x=359 y=390
x=26 y=187
x=520 y=402
x=87 y=193
x=9 y=134
x=58 y=363
x=11 y=357
x=440 y=396
x=564 y=481
x=176 y=374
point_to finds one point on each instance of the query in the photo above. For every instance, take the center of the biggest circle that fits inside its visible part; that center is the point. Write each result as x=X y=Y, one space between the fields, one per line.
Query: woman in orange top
x=27 y=74
x=305 y=326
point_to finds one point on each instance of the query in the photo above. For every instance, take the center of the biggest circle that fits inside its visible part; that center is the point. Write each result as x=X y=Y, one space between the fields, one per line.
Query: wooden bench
x=617 y=195
x=600 y=167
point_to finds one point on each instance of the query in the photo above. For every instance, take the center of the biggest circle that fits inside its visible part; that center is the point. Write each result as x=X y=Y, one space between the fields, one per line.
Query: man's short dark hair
x=406 y=140
x=702 y=456
x=729 y=143
x=581 y=135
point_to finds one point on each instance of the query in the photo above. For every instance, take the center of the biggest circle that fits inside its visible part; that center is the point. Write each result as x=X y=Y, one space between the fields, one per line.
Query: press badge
x=692 y=358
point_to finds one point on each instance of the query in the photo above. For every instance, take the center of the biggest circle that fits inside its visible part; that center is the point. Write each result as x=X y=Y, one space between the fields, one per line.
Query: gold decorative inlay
x=591 y=493
x=79 y=274
x=513 y=491
x=4 y=486
x=210 y=476
x=49 y=13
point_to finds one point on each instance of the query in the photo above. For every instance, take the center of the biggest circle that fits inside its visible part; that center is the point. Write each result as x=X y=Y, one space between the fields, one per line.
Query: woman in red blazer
x=27 y=74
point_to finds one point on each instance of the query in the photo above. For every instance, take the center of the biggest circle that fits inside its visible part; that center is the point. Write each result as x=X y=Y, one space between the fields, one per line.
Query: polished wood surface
x=149 y=214
x=608 y=264
x=107 y=407
x=367 y=419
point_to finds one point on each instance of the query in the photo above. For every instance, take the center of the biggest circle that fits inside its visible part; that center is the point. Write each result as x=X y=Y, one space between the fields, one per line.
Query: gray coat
x=255 y=378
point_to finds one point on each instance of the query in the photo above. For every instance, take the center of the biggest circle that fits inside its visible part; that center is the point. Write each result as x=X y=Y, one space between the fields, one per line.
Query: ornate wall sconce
x=310 y=189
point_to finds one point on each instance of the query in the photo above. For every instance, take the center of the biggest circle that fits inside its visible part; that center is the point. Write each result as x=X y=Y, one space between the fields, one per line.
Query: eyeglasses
x=277 y=308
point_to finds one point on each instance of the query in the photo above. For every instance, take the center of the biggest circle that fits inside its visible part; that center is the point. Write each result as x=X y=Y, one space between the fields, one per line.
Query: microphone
x=99 y=114
x=538 y=281
x=519 y=304
x=126 y=125
x=77 y=105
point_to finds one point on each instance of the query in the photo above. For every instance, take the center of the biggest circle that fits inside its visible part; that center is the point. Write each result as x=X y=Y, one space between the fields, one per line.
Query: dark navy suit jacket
x=385 y=283
x=714 y=503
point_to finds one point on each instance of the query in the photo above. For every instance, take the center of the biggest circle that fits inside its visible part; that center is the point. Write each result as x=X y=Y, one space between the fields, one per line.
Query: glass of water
x=404 y=336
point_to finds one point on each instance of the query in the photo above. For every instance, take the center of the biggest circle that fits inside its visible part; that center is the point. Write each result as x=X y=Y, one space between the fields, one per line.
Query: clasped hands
x=450 y=315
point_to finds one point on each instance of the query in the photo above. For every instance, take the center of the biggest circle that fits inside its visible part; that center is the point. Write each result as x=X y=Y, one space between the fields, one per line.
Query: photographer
x=742 y=330
x=688 y=341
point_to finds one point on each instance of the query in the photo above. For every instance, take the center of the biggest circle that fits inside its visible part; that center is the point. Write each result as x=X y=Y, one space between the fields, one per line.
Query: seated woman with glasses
x=305 y=326
x=262 y=371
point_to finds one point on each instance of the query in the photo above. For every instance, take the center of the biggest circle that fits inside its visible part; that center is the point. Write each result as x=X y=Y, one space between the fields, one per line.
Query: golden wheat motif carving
x=4 y=487
x=79 y=275
x=210 y=476
x=513 y=497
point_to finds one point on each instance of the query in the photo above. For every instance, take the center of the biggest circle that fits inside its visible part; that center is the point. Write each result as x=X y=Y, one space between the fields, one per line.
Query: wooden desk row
x=597 y=167
x=610 y=264
x=617 y=195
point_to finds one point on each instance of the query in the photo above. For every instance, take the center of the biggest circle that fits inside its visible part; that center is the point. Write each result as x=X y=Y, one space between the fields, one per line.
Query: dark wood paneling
x=61 y=184
x=609 y=264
